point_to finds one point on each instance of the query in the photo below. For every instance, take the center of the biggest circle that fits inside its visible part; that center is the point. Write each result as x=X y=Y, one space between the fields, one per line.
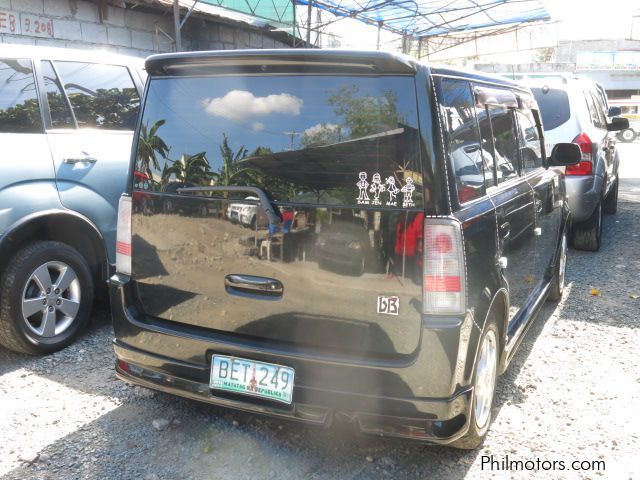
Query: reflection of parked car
x=629 y=109
x=411 y=350
x=247 y=214
x=66 y=123
x=574 y=110
x=344 y=244
x=174 y=201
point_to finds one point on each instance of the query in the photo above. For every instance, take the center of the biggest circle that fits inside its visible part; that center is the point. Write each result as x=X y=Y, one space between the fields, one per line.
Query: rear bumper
x=385 y=398
x=151 y=371
x=583 y=195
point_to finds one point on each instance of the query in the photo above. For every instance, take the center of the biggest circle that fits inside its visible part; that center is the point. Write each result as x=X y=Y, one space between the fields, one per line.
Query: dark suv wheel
x=47 y=293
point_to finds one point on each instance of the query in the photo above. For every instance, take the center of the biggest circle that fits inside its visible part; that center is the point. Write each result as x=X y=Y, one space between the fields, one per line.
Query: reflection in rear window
x=554 y=106
x=334 y=140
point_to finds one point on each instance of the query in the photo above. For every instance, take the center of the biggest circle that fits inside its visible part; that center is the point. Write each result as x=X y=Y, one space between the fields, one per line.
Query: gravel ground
x=572 y=393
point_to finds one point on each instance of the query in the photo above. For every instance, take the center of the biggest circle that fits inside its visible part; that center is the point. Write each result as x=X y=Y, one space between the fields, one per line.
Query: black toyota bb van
x=362 y=238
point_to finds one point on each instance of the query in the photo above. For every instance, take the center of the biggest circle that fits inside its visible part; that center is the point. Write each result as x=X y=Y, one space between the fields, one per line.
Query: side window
x=102 y=96
x=600 y=108
x=530 y=142
x=463 y=138
x=504 y=141
x=593 y=111
x=19 y=107
x=58 y=106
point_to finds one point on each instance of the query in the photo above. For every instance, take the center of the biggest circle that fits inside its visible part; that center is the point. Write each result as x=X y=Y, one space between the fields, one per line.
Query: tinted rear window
x=554 y=107
x=334 y=140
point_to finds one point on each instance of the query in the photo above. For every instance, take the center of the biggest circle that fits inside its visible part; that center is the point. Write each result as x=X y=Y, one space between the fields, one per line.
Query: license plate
x=264 y=380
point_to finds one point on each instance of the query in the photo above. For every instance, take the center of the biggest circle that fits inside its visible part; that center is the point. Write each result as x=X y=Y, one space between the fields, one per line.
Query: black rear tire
x=610 y=205
x=15 y=333
x=588 y=234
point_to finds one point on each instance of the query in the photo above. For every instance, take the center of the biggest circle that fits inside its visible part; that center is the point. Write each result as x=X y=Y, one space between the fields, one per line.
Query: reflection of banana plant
x=190 y=169
x=231 y=172
x=149 y=145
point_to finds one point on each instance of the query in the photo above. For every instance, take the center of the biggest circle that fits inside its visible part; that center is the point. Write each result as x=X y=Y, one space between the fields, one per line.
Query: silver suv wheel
x=51 y=299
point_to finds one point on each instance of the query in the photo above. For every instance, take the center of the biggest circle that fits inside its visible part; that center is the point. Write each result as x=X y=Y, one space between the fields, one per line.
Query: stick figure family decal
x=377 y=187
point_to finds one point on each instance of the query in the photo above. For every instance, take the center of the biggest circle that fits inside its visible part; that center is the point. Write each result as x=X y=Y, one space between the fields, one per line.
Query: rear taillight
x=585 y=166
x=443 y=268
x=123 y=237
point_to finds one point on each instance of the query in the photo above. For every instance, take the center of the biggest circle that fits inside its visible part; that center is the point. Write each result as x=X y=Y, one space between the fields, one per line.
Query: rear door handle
x=505 y=230
x=250 y=285
x=87 y=159
x=538 y=204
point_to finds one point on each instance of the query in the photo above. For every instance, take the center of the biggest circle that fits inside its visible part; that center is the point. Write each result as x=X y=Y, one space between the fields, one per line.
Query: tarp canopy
x=425 y=18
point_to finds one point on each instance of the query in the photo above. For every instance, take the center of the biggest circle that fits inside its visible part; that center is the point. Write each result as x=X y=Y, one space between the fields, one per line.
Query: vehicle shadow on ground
x=216 y=442
x=604 y=292
x=208 y=441
x=11 y=361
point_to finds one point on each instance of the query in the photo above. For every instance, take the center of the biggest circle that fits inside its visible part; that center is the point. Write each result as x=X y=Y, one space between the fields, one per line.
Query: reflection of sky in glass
x=254 y=112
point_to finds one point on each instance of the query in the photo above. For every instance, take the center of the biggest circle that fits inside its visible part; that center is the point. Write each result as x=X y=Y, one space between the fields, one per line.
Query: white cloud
x=257 y=126
x=321 y=127
x=240 y=105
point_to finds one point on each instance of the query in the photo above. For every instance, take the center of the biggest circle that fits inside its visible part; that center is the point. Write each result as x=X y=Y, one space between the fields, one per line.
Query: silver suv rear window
x=554 y=106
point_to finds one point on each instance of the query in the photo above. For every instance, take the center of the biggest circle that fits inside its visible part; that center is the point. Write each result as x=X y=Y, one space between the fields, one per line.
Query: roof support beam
x=176 y=24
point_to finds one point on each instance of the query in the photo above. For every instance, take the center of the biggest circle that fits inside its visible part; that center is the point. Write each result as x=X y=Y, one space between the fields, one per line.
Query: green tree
x=232 y=172
x=190 y=169
x=21 y=118
x=365 y=115
x=149 y=145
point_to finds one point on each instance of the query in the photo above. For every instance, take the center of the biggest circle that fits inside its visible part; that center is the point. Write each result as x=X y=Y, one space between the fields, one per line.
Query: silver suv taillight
x=123 y=237
x=444 y=277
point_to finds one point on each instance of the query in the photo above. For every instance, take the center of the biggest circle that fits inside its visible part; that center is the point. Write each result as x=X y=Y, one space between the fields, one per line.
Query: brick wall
x=77 y=24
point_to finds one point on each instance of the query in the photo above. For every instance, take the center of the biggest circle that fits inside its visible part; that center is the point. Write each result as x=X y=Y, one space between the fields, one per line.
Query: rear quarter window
x=554 y=106
x=102 y=96
x=19 y=107
x=335 y=140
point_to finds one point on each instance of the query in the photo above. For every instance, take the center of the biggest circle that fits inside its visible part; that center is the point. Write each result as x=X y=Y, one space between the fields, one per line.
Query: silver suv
x=575 y=110
x=66 y=125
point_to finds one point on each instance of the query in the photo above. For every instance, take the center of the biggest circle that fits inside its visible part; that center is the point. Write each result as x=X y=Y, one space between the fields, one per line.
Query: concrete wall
x=78 y=24
x=611 y=80
x=567 y=51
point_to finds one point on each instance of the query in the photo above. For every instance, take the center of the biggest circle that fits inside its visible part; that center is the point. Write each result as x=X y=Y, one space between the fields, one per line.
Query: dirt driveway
x=572 y=394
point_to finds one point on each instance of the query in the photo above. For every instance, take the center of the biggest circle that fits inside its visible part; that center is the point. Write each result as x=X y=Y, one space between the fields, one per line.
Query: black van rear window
x=554 y=106
x=335 y=140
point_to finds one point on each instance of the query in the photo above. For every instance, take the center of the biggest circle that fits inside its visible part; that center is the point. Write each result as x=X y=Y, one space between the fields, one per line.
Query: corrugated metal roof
x=423 y=18
x=213 y=11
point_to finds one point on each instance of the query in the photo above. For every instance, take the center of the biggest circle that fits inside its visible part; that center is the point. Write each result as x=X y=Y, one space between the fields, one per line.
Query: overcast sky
x=595 y=19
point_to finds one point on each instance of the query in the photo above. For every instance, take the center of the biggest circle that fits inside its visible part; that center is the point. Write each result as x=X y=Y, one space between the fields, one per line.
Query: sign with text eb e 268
x=25 y=24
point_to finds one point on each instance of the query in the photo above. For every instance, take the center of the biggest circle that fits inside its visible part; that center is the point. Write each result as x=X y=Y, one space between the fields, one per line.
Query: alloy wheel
x=51 y=299
x=563 y=262
x=485 y=382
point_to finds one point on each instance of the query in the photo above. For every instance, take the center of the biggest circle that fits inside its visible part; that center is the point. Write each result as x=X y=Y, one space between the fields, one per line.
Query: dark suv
x=443 y=178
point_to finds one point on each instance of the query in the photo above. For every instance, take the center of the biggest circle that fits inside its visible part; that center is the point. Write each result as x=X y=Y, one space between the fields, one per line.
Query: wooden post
x=176 y=25
x=308 y=23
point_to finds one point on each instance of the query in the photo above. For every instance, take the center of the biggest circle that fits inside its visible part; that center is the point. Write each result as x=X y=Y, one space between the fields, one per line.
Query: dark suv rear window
x=304 y=139
x=554 y=106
